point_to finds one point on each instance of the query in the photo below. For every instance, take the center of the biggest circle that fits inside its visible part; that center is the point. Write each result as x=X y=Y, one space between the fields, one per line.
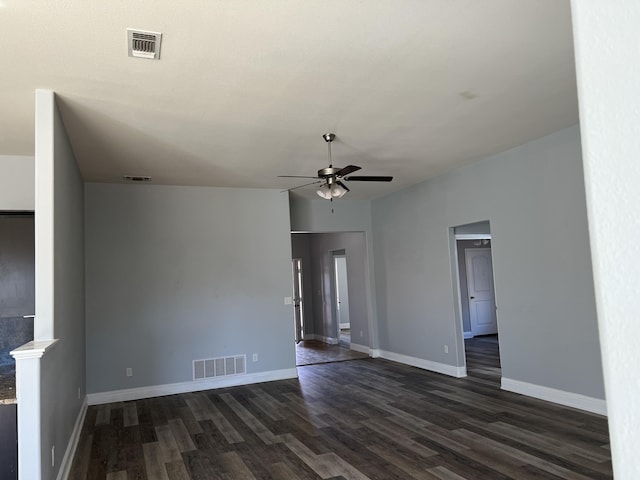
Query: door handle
x=471 y=298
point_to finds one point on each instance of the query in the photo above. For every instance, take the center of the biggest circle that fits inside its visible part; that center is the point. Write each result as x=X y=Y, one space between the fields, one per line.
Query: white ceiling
x=245 y=89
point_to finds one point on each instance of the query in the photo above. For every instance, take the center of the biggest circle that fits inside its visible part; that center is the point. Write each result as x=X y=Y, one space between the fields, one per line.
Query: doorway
x=476 y=292
x=17 y=306
x=341 y=299
x=17 y=291
x=323 y=285
x=298 y=299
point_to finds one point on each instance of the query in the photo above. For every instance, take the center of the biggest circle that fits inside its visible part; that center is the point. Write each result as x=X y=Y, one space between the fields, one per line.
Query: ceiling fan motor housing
x=328 y=172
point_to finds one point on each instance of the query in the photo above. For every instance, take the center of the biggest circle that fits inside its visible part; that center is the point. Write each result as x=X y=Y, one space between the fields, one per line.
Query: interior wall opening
x=333 y=298
x=477 y=314
x=17 y=308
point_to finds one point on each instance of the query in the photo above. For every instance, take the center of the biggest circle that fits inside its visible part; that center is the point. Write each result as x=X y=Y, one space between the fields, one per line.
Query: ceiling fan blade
x=342 y=185
x=369 y=179
x=347 y=170
x=295 y=176
x=300 y=186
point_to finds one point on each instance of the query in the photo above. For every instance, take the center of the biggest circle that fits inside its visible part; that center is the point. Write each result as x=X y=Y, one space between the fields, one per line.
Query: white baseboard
x=321 y=338
x=186 y=387
x=360 y=348
x=452 y=371
x=468 y=335
x=67 y=460
x=568 y=399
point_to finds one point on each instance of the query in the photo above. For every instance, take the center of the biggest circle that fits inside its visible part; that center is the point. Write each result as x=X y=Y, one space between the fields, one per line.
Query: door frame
x=338 y=252
x=461 y=355
x=299 y=303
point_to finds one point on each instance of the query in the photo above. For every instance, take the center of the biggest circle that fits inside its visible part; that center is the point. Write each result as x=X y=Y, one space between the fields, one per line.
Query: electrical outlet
x=53 y=455
x=446 y=349
x=255 y=357
x=78 y=393
x=129 y=372
x=360 y=332
x=288 y=300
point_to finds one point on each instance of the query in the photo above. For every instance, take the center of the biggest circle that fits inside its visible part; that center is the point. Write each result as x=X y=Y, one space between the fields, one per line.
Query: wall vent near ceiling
x=219 y=367
x=136 y=178
x=144 y=44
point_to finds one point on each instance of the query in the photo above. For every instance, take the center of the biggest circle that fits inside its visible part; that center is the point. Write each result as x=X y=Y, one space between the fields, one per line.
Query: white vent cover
x=144 y=44
x=219 y=367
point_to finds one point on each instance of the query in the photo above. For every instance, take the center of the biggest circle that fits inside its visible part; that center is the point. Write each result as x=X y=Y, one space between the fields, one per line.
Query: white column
x=28 y=360
x=607 y=40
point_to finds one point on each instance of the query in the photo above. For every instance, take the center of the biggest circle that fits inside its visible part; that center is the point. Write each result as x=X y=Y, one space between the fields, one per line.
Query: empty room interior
x=318 y=240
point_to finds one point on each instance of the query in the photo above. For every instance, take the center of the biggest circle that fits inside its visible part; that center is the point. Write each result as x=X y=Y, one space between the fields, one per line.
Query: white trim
x=466 y=335
x=34 y=349
x=186 y=387
x=473 y=236
x=67 y=460
x=359 y=348
x=445 y=369
x=569 y=399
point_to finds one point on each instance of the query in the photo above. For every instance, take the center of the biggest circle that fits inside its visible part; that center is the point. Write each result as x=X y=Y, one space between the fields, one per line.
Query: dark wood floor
x=360 y=419
x=312 y=352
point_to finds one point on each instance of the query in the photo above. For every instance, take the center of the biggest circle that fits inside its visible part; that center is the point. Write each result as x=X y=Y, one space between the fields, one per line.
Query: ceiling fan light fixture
x=325 y=192
x=331 y=190
x=338 y=191
x=331 y=177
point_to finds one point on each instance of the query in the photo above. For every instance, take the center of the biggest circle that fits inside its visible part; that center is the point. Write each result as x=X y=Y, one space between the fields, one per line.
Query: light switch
x=288 y=300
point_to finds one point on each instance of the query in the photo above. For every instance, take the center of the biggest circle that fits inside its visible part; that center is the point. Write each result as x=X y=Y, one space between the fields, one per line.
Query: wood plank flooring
x=360 y=419
x=312 y=352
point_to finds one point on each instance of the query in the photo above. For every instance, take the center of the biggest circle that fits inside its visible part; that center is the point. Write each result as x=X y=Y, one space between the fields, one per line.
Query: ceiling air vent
x=144 y=44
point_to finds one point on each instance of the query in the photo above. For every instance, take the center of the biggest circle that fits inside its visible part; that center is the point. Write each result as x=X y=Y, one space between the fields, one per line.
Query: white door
x=297 y=300
x=482 y=305
x=342 y=292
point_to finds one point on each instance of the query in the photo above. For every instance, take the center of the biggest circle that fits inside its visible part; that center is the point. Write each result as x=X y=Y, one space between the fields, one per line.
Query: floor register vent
x=219 y=367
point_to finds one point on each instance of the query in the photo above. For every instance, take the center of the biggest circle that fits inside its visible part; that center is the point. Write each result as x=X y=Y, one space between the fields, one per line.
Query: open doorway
x=17 y=306
x=333 y=293
x=298 y=300
x=17 y=292
x=477 y=301
x=341 y=299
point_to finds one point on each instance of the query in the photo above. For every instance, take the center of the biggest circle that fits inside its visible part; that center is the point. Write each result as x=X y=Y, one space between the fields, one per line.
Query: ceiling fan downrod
x=329 y=137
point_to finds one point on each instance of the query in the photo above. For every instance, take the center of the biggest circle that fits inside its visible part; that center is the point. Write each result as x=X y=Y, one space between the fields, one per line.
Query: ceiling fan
x=331 y=177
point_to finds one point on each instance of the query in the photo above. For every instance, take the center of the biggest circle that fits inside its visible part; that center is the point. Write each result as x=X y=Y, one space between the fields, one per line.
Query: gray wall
x=17 y=183
x=319 y=216
x=533 y=196
x=477 y=227
x=354 y=246
x=182 y=273
x=63 y=369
